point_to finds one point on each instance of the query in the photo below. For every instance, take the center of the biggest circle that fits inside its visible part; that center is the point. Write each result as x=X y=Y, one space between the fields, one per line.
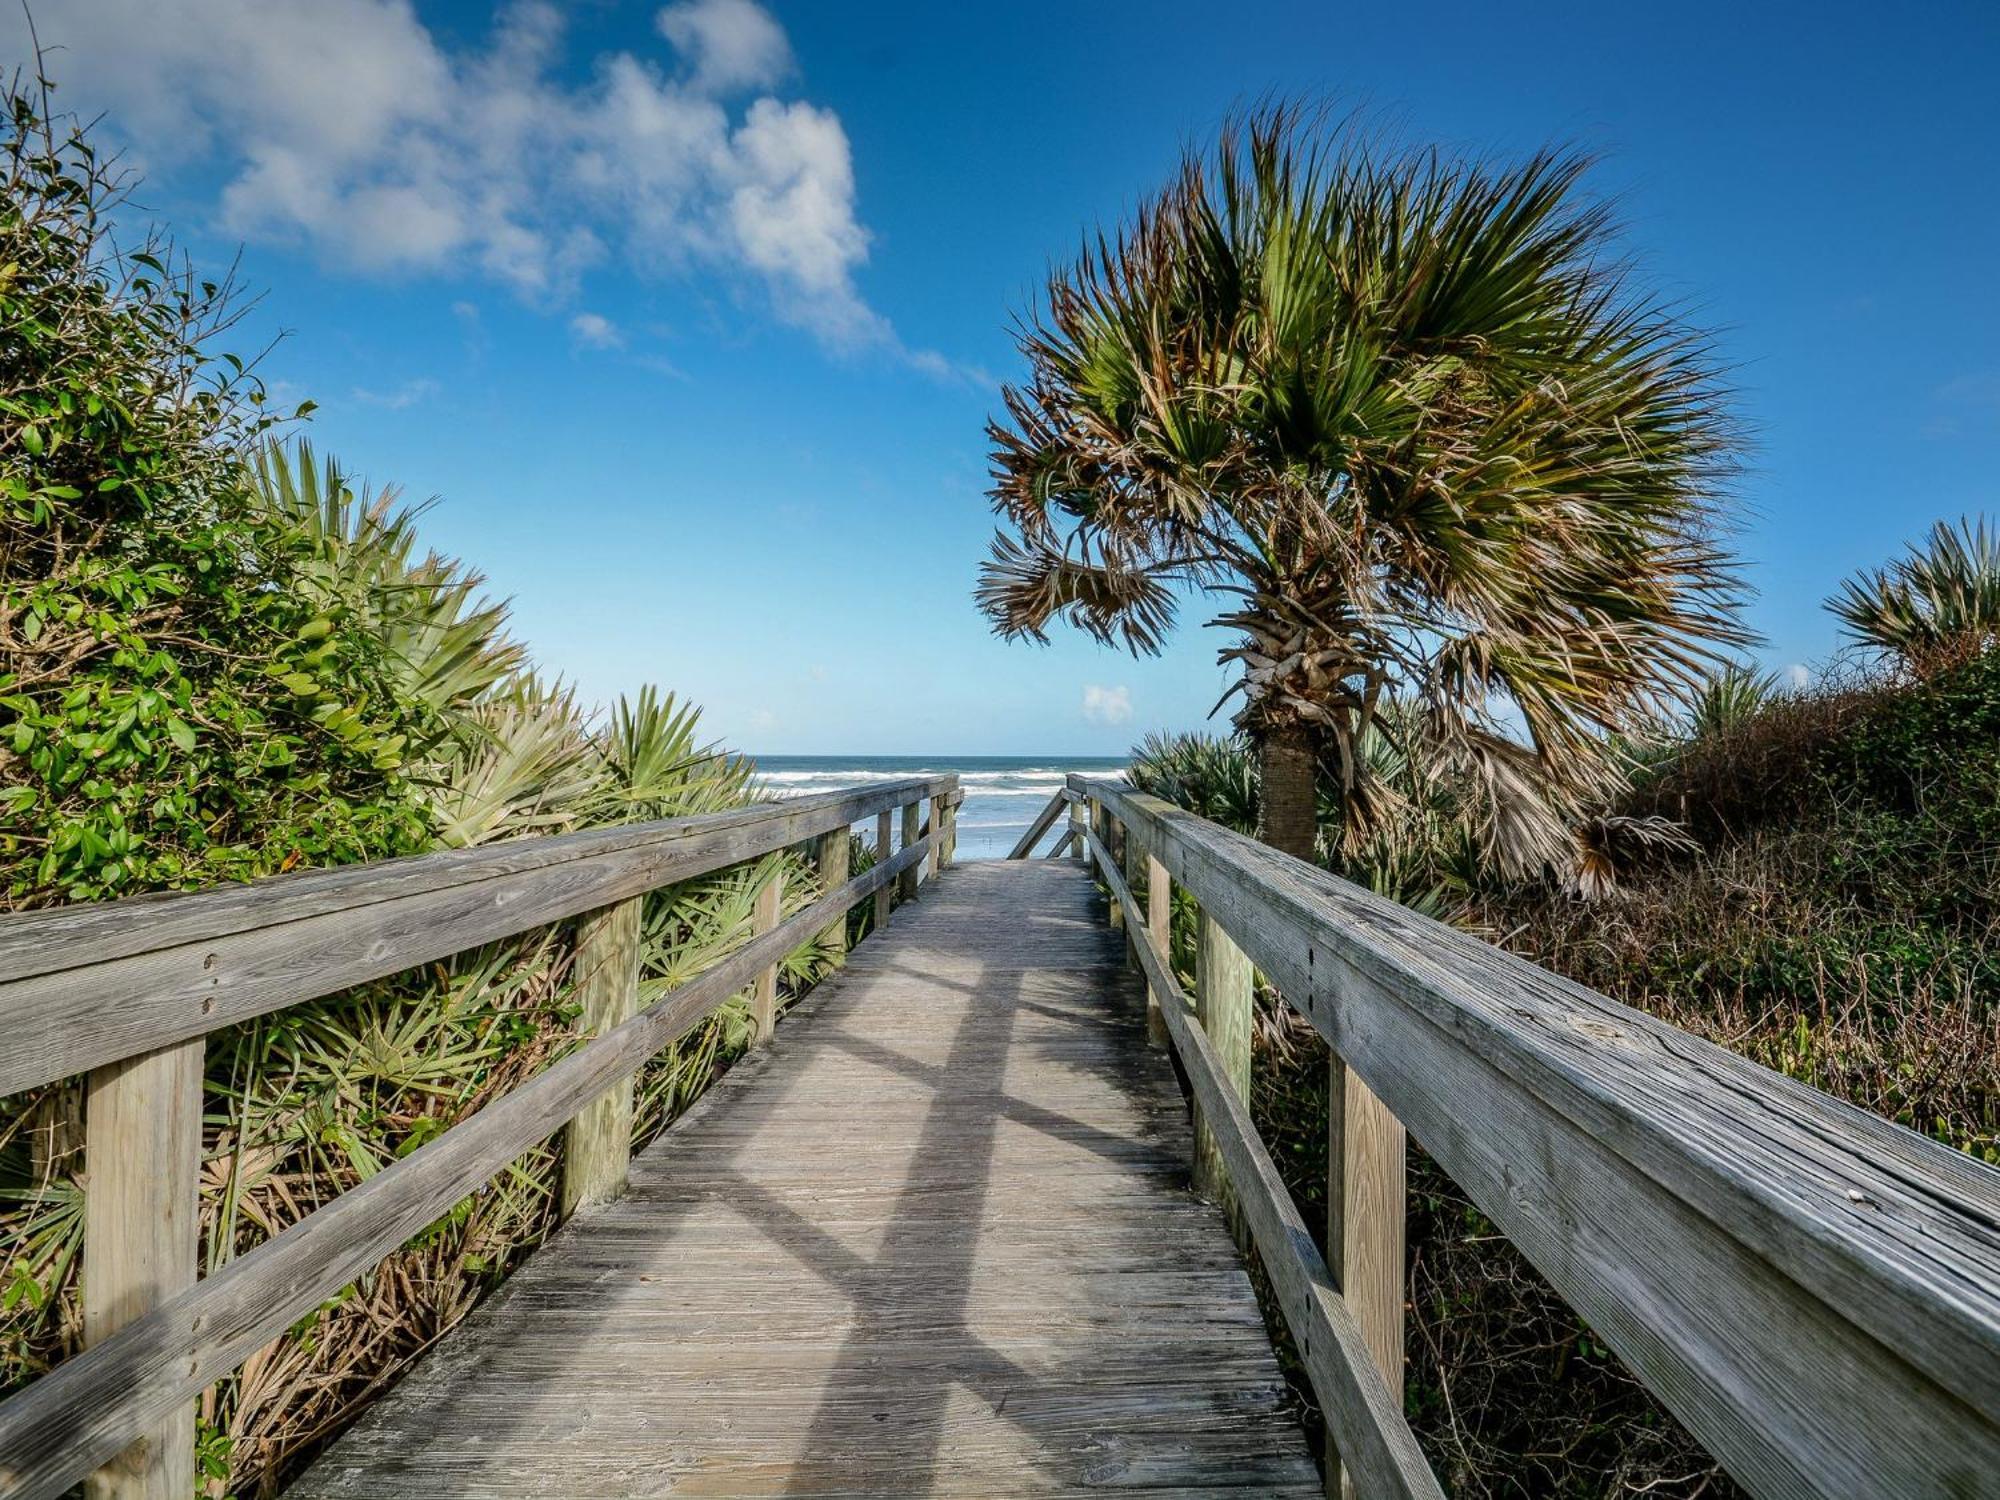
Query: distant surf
x=1002 y=792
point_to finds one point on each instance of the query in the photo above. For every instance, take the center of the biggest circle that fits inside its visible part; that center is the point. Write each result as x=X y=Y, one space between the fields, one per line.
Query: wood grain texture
x=1367 y=1212
x=1044 y=820
x=764 y=996
x=1363 y=1414
x=884 y=846
x=142 y=1154
x=597 y=1143
x=935 y=1240
x=832 y=859
x=1814 y=1291
x=89 y=984
x=1222 y=985
x=912 y=831
x=1159 y=931
x=99 y=1402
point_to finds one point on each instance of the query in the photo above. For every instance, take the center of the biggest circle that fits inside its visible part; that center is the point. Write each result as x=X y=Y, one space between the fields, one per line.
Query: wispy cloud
x=596 y=331
x=350 y=128
x=406 y=395
x=1969 y=402
x=1107 y=705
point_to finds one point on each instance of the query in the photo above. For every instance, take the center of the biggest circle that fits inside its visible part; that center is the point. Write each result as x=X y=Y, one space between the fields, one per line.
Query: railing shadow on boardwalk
x=895 y=1363
x=1813 y=1291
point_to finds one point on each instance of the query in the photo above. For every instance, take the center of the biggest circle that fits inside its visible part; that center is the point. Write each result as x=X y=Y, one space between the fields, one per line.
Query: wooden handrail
x=1813 y=1290
x=132 y=1384
x=1364 y=1415
x=90 y=984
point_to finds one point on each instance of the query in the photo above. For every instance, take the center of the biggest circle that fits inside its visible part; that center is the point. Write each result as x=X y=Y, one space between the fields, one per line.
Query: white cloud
x=1107 y=705
x=731 y=43
x=347 y=127
x=406 y=395
x=1798 y=676
x=596 y=330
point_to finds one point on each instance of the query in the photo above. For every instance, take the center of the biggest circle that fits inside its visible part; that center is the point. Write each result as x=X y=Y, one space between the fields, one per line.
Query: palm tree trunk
x=1287 y=811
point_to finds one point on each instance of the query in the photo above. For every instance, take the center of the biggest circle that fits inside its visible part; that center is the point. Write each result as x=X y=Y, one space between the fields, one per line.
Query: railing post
x=883 y=849
x=833 y=863
x=1222 y=986
x=934 y=861
x=1107 y=836
x=950 y=843
x=1159 y=923
x=911 y=832
x=597 y=1145
x=1078 y=848
x=1366 y=1208
x=764 y=997
x=142 y=1154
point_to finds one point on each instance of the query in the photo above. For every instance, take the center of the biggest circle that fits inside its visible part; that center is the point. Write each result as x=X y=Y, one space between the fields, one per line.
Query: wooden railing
x=1812 y=1290
x=125 y=992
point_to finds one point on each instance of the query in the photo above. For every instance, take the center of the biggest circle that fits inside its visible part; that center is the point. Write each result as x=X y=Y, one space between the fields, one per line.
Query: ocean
x=1003 y=793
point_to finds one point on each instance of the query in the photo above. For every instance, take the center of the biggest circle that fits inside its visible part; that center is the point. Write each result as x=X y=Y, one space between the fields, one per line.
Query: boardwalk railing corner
x=1812 y=1290
x=126 y=992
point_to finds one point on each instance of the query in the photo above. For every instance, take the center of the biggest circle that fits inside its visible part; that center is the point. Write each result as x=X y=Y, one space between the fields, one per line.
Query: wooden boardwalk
x=935 y=1240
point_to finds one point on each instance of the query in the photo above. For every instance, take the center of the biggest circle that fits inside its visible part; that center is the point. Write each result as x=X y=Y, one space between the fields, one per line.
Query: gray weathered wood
x=1222 y=995
x=934 y=1241
x=96 y=1404
x=1814 y=1291
x=832 y=860
x=89 y=984
x=912 y=831
x=1362 y=1412
x=1025 y=845
x=884 y=841
x=764 y=995
x=142 y=1157
x=597 y=1143
x=1366 y=1218
x=1160 y=930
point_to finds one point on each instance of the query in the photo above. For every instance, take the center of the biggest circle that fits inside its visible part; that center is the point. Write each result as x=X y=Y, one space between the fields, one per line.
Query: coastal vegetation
x=1829 y=906
x=1436 y=452
x=223 y=657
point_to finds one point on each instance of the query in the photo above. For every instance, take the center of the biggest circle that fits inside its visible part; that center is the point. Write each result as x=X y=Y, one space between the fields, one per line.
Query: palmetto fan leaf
x=1942 y=600
x=1407 y=415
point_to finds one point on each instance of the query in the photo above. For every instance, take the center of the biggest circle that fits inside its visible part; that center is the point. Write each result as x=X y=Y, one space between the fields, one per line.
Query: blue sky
x=693 y=316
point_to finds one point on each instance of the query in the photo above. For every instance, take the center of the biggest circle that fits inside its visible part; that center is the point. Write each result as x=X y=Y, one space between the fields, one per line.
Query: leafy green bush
x=220 y=658
x=173 y=709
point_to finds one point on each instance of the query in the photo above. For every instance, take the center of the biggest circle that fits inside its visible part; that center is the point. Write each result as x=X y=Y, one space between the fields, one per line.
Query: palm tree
x=1939 y=604
x=1406 y=416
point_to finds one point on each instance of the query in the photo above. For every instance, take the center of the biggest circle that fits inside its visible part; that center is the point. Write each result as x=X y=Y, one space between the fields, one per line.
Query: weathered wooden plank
x=831 y=859
x=96 y=1404
x=1814 y=1291
x=883 y=844
x=1364 y=1414
x=1222 y=995
x=597 y=1143
x=142 y=1151
x=764 y=996
x=1044 y=820
x=1366 y=1219
x=990 y=1281
x=1159 y=929
x=89 y=984
x=912 y=831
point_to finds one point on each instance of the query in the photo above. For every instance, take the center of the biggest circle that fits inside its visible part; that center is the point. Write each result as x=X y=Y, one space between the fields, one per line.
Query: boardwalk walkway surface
x=935 y=1240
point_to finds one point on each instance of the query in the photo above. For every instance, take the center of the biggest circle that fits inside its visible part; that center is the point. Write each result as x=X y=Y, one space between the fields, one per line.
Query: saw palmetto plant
x=1410 y=424
x=1933 y=607
x=311 y=1100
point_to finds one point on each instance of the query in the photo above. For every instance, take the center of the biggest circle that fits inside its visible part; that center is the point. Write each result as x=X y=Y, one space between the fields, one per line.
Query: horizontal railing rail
x=152 y=975
x=1812 y=1290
